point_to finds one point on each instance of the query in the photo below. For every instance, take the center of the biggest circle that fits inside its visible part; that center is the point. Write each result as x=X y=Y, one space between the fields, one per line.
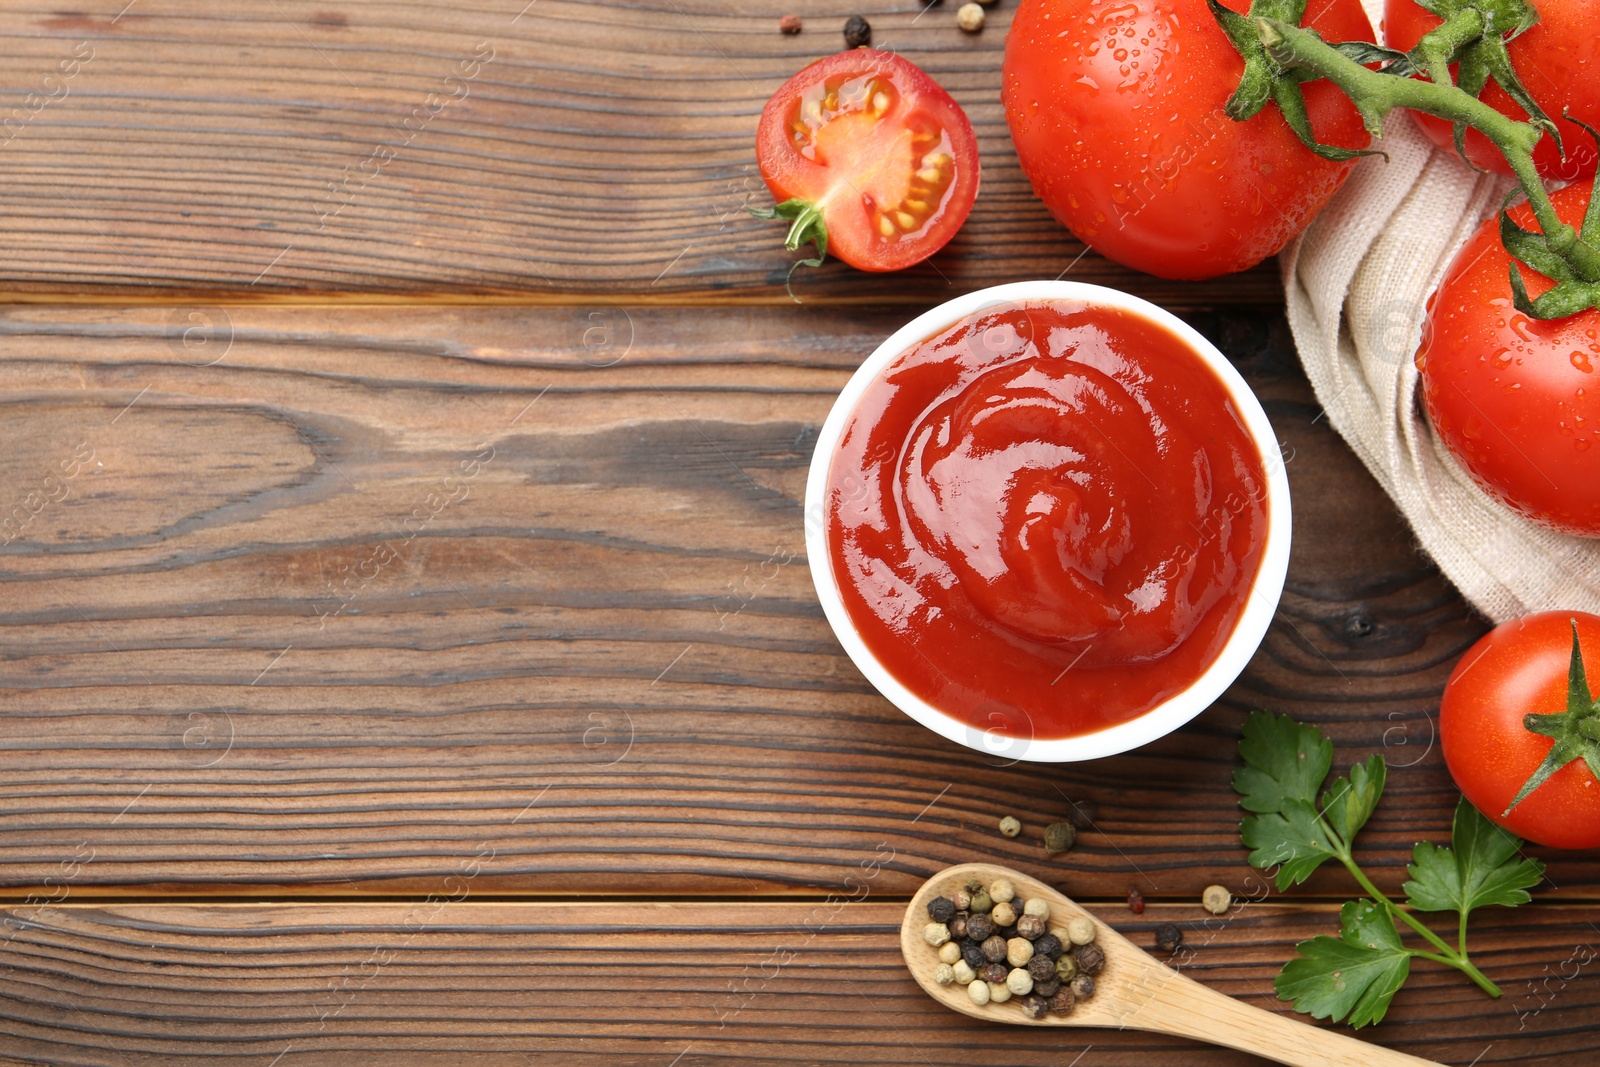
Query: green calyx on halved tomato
x=1521 y=730
x=869 y=159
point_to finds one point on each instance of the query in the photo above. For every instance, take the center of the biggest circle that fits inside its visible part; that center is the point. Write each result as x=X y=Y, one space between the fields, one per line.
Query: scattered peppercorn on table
x=409 y=650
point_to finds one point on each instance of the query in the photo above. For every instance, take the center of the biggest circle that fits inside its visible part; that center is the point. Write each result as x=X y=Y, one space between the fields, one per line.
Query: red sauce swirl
x=1053 y=510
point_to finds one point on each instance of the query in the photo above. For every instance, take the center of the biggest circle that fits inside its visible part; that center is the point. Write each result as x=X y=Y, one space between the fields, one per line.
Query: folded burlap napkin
x=1357 y=283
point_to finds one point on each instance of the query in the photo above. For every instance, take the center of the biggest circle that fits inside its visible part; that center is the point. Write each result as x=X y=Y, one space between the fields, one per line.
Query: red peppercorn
x=1135 y=900
x=789 y=24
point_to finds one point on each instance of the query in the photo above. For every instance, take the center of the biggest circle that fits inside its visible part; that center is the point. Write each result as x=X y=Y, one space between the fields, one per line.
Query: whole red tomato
x=1116 y=108
x=1519 y=669
x=1558 y=61
x=1516 y=400
x=870 y=147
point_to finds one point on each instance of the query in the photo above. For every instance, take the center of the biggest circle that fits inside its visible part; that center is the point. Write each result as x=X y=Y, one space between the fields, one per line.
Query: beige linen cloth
x=1357 y=283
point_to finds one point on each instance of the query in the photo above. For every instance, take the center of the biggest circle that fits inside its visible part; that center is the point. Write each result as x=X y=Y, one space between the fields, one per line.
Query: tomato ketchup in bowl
x=1048 y=520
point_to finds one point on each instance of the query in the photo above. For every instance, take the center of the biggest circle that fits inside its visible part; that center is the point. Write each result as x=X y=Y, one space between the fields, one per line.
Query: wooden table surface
x=408 y=649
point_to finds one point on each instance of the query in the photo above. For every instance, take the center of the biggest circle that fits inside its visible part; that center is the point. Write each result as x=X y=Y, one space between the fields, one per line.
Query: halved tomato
x=870 y=158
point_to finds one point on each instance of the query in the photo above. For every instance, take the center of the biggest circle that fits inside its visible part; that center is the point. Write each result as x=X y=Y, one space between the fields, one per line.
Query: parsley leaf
x=1294 y=842
x=1356 y=974
x=1350 y=802
x=1482 y=866
x=1283 y=761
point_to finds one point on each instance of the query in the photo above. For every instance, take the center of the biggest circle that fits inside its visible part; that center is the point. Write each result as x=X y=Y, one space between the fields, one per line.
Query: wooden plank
x=266 y=630
x=489 y=149
x=453 y=982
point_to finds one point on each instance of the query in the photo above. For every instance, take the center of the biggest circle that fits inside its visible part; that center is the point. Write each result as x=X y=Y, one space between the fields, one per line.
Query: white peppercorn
x=964 y=974
x=970 y=18
x=1216 y=899
x=1002 y=891
x=1019 y=950
x=1080 y=930
x=1011 y=826
x=1037 y=906
x=949 y=952
x=936 y=934
x=978 y=991
x=1020 y=982
x=1003 y=914
x=944 y=974
x=999 y=992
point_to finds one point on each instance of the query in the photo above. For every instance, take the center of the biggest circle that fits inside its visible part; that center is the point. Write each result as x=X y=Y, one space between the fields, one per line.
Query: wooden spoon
x=1135 y=990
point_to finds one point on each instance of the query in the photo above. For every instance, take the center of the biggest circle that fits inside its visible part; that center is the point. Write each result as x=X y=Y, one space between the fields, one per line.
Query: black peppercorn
x=857 y=32
x=1035 y=1006
x=1135 y=900
x=994 y=972
x=973 y=955
x=1091 y=958
x=1007 y=932
x=941 y=910
x=1168 y=938
x=958 y=926
x=1042 y=967
x=979 y=927
x=1083 y=987
x=1048 y=945
x=1082 y=813
x=1047 y=987
x=994 y=949
x=1030 y=927
x=1062 y=1002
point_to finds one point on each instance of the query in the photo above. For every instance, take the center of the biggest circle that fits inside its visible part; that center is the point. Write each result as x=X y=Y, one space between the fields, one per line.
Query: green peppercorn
x=979 y=927
x=1083 y=987
x=982 y=902
x=941 y=909
x=1048 y=945
x=1066 y=968
x=1091 y=958
x=1058 y=837
x=1042 y=967
x=1030 y=927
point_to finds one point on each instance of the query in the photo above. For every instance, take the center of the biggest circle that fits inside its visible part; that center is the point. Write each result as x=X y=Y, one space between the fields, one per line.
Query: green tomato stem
x=1376 y=94
x=1464 y=27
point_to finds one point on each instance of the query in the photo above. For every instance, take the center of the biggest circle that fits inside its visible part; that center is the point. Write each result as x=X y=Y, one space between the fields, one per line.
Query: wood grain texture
x=488 y=149
x=463 y=982
x=261 y=627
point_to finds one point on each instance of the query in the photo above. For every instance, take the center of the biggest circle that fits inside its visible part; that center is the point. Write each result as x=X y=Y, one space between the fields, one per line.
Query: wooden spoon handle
x=1173 y=1004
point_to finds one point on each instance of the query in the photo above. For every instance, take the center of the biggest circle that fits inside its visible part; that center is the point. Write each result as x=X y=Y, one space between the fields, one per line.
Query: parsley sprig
x=1293 y=830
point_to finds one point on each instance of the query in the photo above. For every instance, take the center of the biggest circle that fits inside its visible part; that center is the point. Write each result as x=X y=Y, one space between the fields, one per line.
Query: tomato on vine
x=1557 y=60
x=1117 y=112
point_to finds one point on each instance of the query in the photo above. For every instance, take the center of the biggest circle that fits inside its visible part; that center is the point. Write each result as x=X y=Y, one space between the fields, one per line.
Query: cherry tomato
x=1558 y=61
x=876 y=150
x=1518 y=669
x=1116 y=110
x=1516 y=400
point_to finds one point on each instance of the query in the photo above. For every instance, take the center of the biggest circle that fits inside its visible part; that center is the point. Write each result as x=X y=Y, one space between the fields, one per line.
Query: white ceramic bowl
x=1176 y=710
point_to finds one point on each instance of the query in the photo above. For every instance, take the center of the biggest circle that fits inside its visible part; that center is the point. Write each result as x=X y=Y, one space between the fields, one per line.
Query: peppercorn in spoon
x=1126 y=988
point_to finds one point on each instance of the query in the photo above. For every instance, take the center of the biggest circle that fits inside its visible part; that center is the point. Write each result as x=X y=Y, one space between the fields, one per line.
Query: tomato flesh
x=1558 y=60
x=1517 y=669
x=1516 y=400
x=886 y=155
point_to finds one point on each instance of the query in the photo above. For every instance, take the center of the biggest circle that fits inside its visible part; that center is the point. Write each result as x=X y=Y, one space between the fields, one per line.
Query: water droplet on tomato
x=1581 y=361
x=1501 y=358
x=1581 y=444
